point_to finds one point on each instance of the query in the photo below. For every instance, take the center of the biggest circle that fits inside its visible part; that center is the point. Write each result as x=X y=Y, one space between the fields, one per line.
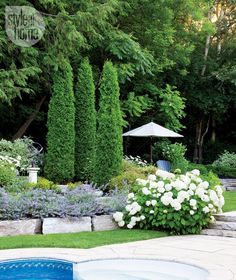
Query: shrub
x=85 y=123
x=181 y=204
x=60 y=157
x=130 y=172
x=226 y=159
x=19 y=150
x=7 y=170
x=114 y=200
x=109 y=132
x=45 y=184
x=136 y=160
x=42 y=203
x=175 y=153
x=202 y=168
x=225 y=165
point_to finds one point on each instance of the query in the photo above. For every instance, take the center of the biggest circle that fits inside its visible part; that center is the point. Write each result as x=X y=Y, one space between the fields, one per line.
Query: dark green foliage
x=59 y=165
x=85 y=123
x=109 y=132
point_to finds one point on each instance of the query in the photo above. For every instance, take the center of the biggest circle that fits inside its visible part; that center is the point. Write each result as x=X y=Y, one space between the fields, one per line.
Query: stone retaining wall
x=56 y=225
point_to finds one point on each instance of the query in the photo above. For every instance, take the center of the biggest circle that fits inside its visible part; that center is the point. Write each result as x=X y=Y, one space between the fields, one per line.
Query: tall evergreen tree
x=85 y=123
x=109 y=131
x=60 y=157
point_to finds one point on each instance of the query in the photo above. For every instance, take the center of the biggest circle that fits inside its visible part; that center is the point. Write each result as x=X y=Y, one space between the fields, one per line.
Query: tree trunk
x=213 y=134
x=21 y=131
x=200 y=135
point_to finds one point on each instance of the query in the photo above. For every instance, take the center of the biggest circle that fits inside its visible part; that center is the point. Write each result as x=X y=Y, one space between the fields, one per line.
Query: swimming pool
x=112 y=269
x=36 y=269
x=134 y=269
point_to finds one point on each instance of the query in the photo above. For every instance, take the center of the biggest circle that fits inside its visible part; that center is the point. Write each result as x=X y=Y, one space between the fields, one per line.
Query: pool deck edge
x=215 y=254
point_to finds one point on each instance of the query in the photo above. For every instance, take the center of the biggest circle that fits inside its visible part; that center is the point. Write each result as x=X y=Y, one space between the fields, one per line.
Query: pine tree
x=109 y=131
x=60 y=157
x=85 y=123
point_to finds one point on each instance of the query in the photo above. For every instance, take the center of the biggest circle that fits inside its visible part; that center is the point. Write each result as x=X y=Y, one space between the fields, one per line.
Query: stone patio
x=216 y=254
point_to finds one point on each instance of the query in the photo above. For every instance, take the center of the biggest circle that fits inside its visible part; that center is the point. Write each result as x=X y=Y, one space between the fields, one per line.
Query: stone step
x=226 y=217
x=223 y=225
x=230 y=188
x=219 y=232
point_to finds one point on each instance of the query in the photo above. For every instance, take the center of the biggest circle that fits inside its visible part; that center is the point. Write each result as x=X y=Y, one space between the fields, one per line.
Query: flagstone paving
x=216 y=254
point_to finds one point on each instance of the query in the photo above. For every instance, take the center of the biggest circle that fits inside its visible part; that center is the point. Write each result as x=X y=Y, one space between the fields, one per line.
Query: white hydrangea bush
x=10 y=162
x=181 y=204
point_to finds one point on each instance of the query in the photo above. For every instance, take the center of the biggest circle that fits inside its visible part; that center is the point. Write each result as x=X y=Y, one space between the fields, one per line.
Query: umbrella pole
x=151 y=150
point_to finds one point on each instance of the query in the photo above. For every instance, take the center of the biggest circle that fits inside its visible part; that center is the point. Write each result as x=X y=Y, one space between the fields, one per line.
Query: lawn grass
x=230 y=201
x=78 y=240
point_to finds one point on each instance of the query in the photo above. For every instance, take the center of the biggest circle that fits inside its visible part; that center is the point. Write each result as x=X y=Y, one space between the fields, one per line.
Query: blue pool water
x=118 y=269
x=36 y=269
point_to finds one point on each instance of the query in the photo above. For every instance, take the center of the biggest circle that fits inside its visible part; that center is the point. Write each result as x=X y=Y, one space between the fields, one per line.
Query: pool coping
x=213 y=254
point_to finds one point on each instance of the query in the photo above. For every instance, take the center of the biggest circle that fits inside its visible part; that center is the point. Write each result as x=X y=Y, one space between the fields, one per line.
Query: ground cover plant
x=42 y=203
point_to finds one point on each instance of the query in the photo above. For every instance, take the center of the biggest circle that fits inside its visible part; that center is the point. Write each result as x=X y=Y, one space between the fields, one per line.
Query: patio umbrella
x=151 y=130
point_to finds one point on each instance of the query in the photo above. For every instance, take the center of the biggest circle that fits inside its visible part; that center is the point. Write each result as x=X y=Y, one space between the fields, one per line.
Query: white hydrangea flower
x=118 y=216
x=191 y=212
x=146 y=191
x=154 y=202
x=168 y=187
x=128 y=207
x=166 y=200
x=182 y=195
x=121 y=223
x=161 y=189
x=160 y=184
x=192 y=187
x=204 y=185
x=175 y=204
x=151 y=212
x=152 y=177
x=153 y=185
x=211 y=206
x=130 y=195
x=205 y=198
x=200 y=192
x=193 y=202
x=195 y=172
x=179 y=185
x=148 y=203
x=164 y=174
x=142 y=182
x=185 y=179
x=219 y=190
x=190 y=192
x=206 y=210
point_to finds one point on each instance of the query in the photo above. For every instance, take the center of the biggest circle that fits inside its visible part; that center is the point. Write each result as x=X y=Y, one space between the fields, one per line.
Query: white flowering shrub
x=10 y=161
x=17 y=151
x=136 y=160
x=181 y=204
x=8 y=170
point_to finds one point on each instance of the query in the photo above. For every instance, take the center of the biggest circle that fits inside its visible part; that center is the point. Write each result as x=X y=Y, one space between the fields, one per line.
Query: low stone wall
x=21 y=227
x=57 y=225
x=66 y=225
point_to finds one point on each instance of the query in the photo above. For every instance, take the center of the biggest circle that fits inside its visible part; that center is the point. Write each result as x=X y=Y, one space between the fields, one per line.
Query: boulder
x=104 y=222
x=20 y=227
x=66 y=225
